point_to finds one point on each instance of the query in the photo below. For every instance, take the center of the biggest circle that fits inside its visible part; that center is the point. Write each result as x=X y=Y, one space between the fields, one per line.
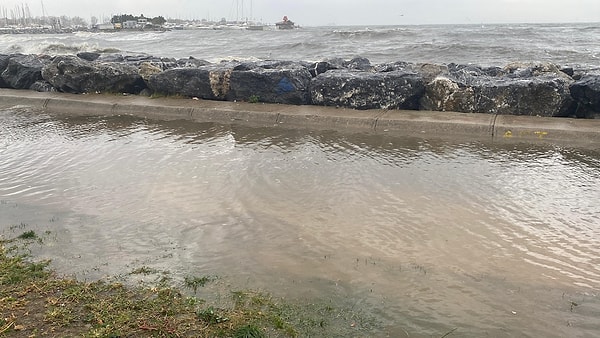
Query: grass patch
x=195 y=282
x=254 y=99
x=144 y=270
x=35 y=302
x=28 y=235
x=249 y=331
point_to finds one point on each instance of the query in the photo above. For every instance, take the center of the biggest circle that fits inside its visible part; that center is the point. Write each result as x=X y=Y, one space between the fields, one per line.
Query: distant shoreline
x=69 y=30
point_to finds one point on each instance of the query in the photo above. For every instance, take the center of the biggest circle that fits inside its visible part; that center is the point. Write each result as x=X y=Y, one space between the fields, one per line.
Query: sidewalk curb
x=424 y=124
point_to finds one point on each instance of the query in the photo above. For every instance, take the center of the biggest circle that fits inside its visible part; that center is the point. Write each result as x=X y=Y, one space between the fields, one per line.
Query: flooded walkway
x=428 y=234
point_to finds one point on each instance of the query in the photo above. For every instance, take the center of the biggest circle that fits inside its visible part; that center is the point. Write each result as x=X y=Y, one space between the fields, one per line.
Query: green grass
x=28 y=235
x=34 y=302
x=254 y=99
x=195 y=282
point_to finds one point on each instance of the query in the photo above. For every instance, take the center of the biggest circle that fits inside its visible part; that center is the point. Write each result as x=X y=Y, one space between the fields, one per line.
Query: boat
x=286 y=24
x=255 y=27
x=241 y=21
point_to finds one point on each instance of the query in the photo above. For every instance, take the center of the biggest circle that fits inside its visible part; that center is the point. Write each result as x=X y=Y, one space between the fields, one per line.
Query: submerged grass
x=35 y=302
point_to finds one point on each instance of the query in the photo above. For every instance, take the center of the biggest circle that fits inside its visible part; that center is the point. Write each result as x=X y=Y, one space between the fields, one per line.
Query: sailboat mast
x=43 y=13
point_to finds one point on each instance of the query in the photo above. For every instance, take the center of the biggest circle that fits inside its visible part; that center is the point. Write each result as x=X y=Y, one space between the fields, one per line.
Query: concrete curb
x=426 y=124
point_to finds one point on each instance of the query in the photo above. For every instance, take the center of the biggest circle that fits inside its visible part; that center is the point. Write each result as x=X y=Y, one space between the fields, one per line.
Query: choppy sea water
x=430 y=235
x=484 y=45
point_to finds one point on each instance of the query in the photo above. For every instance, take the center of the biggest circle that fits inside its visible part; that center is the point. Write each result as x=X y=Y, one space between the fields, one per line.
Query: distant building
x=130 y=24
x=105 y=26
x=141 y=23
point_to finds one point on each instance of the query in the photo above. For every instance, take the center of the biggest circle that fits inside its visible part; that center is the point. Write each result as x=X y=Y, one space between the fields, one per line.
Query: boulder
x=170 y=63
x=428 y=71
x=393 y=66
x=359 y=63
x=537 y=96
x=581 y=72
x=89 y=56
x=367 y=90
x=190 y=62
x=42 y=86
x=528 y=70
x=320 y=67
x=111 y=58
x=444 y=94
x=137 y=59
x=3 y=64
x=536 y=91
x=336 y=63
x=586 y=96
x=22 y=71
x=206 y=82
x=147 y=69
x=286 y=83
x=74 y=75
x=268 y=64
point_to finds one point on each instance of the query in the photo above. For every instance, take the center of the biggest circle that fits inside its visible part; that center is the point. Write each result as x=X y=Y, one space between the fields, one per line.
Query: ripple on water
x=427 y=234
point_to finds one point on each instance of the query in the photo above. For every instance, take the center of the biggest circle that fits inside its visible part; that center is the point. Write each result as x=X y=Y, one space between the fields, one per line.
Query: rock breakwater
x=537 y=89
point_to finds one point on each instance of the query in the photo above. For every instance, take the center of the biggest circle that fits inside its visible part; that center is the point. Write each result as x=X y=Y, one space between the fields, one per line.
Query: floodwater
x=498 y=240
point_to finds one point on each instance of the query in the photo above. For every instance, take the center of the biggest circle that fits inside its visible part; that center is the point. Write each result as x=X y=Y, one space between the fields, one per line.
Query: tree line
x=21 y=16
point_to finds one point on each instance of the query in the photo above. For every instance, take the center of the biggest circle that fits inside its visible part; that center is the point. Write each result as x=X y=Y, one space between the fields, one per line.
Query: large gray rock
x=22 y=71
x=75 y=75
x=42 y=86
x=267 y=64
x=190 y=62
x=286 y=83
x=89 y=56
x=586 y=94
x=206 y=82
x=367 y=90
x=147 y=69
x=536 y=91
x=428 y=71
x=3 y=64
x=359 y=63
x=319 y=67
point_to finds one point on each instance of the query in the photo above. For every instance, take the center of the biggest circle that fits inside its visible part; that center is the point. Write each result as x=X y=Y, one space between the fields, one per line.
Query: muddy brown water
x=426 y=235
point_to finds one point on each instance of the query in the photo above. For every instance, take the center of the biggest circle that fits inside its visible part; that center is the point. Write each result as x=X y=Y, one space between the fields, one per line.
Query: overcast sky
x=325 y=12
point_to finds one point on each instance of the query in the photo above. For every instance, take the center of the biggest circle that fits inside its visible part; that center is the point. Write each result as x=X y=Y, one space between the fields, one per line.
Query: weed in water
x=195 y=282
x=144 y=270
x=28 y=235
x=254 y=99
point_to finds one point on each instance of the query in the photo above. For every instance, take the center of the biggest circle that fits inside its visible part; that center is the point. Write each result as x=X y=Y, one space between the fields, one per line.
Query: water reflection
x=494 y=239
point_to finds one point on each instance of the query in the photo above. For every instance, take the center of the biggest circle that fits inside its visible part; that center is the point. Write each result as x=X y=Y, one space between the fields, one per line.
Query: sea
x=565 y=44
